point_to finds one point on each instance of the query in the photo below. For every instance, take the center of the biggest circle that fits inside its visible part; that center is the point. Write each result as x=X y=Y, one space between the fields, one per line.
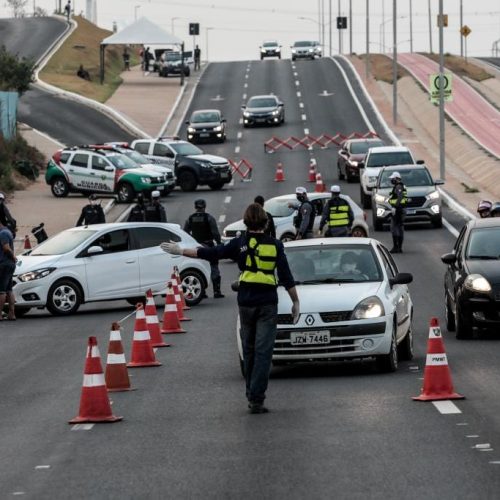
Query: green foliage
x=16 y=74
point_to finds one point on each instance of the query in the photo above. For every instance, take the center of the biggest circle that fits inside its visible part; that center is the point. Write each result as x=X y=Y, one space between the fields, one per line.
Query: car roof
x=196 y=111
x=485 y=223
x=125 y=225
x=366 y=139
x=413 y=166
x=270 y=41
x=329 y=242
x=389 y=149
x=263 y=95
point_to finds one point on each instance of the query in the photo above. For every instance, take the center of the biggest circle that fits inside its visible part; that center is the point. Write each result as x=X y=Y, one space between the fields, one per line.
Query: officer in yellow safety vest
x=260 y=258
x=337 y=214
x=398 y=200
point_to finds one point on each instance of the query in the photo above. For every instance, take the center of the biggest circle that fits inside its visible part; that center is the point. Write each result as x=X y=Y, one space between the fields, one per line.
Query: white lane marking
x=246 y=76
x=301 y=104
x=299 y=94
x=18 y=493
x=222 y=218
x=227 y=199
x=244 y=97
x=295 y=73
x=462 y=423
x=495 y=462
x=297 y=83
x=446 y=407
x=245 y=86
x=232 y=182
x=450 y=228
x=39 y=467
x=304 y=117
x=82 y=427
x=487 y=449
x=306 y=131
x=240 y=121
x=237 y=149
x=414 y=368
x=482 y=446
x=239 y=135
x=472 y=436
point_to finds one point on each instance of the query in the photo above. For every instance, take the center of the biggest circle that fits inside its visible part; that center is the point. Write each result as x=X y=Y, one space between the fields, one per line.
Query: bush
x=16 y=74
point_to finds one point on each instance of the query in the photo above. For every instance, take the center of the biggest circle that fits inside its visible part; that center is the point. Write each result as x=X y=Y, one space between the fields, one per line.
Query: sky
x=234 y=29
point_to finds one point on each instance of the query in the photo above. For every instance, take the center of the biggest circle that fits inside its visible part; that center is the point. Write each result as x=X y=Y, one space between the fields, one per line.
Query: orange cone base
x=104 y=420
x=185 y=308
x=437 y=397
x=160 y=344
x=183 y=318
x=174 y=330
x=122 y=389
x=141 y=364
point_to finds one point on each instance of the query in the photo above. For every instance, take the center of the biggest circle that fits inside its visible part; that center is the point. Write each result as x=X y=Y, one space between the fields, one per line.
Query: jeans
x=258 y=333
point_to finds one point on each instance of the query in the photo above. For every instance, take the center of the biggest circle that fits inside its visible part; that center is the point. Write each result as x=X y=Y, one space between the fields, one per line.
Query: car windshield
x=63 y=242
x=262 y=102
x=333 y=264
x=136 y=157
x=270 y=44
x=205 y=116
x=278 y=207
x=484 y=243
x=358 y=148
x=172 y=56
x=388 y=159
x=410 y=178
x=121 y=161
x=185 y=148
x=303 y=44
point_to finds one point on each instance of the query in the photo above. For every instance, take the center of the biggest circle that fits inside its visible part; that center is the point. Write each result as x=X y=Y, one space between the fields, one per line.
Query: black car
x=206 y=125
x=263 y=110
x=472 y=279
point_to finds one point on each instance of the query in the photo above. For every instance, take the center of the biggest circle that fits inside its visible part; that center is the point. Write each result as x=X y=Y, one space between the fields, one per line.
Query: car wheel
x=216 y=186
x=21 y=311
x=350 y=179
x=405 y=348
x=341 y=176
x=287 y=237
x=125 y=192
x=64 y=298
x=437 y=222
x=388 y=363
x=193 y=286
x=187 y=181
x=261 y=58
x=450 y=317
x=59 y=187
x=293 y=58
x=463 y=325
x=358 y=232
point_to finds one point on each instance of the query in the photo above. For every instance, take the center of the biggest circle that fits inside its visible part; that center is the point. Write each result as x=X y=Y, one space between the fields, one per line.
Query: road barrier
x=243 y=168
x=308 y=142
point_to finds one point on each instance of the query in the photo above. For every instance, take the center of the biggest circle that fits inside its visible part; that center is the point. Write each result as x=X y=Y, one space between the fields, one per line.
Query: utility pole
x=330 y=27
x=350 y=27
x=461 y=24
x=383 y=26
x=367 y=62
x=441 y=95
x=323 y=23
x=340 y=34
x=430 y=26
x=411 y=26
x=395 y=64
x=319 y=23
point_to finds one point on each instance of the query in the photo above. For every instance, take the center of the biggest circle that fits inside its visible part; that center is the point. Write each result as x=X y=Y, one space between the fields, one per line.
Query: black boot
x=400 y=244
x=395 y=245
x=217 y=293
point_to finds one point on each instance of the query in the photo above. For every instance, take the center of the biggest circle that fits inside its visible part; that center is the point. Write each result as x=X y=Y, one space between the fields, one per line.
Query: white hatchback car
x=354 y=303
x=105 y=262
x=283 y=216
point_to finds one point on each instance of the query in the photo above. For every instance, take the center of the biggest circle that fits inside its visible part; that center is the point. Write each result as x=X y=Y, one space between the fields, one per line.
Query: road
x=334 y=431
x=67 y=121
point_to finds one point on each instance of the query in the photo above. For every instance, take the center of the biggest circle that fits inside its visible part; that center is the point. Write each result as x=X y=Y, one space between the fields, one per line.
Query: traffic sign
x=445 y=20
x=465 y=30
x=434 y=87
x=194 y=28
x=341 y=23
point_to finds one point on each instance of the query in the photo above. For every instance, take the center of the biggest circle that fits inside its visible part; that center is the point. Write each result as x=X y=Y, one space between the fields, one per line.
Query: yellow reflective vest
x=339 y=215
x=260 y=262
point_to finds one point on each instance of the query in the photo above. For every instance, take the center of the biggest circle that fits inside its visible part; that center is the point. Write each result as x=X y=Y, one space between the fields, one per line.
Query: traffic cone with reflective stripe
x=312 y=172
x=27 y=243
x=142 y=350
x=437 y=376
x=94 y=400
x=177 y=274
x=280 y=174
x=171 y=323
x=178 y=303
x=116 y=373
x=152 y=322
x=320 y=185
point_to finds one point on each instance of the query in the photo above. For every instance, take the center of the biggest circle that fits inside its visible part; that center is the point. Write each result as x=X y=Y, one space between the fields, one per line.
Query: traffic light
x=341 y=23
x=194 y=28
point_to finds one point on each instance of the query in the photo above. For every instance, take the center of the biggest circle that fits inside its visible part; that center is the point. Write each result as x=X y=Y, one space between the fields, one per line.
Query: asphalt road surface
x=67 y=121
x=334 y=430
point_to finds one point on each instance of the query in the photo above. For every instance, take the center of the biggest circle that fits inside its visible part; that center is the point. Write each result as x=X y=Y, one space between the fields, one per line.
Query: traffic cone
x=27 y=243
x=152 y=322
x=178 y=303
x=280 y=175
x=94 y=401
x=116 y=373
x=320 y=185
x=437 y=376
x=312 y=172
x=177 y=274
x=142 y=350
x=171 y=323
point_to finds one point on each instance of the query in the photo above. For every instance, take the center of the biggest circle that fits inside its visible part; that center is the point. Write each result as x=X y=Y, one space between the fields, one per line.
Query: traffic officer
x=91 y=213
x=337 y=213
x=138 y=212
x=483 y=209
x=398 y=200
x=155 y=212
x=270 y=228
x=259 y=259
x=304 y=220
x=203 y=228
x=495 y=209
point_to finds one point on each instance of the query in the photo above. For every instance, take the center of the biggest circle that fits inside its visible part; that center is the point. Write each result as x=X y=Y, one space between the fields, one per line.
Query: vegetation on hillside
x=458 y=65
x=381 y=67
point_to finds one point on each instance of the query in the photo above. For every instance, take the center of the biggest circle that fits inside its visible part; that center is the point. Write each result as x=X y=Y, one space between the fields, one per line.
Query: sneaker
x=218 y=295
x=257 y=408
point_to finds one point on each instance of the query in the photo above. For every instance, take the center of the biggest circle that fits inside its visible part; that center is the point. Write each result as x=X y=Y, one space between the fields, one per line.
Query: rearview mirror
x=420 y=162
x=223 y=120
x=94 y=250
x=449 y=258
x=438 y=182
x=401 y=279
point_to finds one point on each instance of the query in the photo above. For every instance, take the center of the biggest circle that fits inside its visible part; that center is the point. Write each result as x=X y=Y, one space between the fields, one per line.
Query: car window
x=270 y=44
x=388 y=262
x=318 y=206
x=303 y=44
x=362 y=147
x=279 y=207
x=135 y=157
x=484 y=243
x=160 y=149
x=147 y=237
x=80 y=160
x=113 y=242
x=205 y=117
x=63 y=242
x=65 y=157
x=410 y=177
x=98 y=163
x=142 y=147
x=458 y=244
x=388 y=159
x=262 y=102
x=121 y=161
x=185 y=149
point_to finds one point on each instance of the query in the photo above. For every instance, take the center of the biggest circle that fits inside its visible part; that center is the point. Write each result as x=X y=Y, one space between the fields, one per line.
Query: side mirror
x=187 y=122
x=109 y=168
x=438 y=182
x=401 y=279
x=420 y=162
x=223 y=120
x=243 y=107
x=361 y=164
x=94 y=250
x=448 y=258
x=343 y=151
x=280 y=104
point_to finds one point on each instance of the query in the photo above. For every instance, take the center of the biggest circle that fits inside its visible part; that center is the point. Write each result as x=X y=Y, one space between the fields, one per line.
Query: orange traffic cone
x=177 y=274
x=142 y=350
x=437 y=376
x=312 y=172
x=94 y=401
x=171 y=323
x=152 y=322
x=178 y=303
x=116 y=374
x=320 y=185
x=280 y=174
x=27 y=243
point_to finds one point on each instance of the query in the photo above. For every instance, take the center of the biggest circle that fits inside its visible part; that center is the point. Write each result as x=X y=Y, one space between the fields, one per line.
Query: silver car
x=306 y=49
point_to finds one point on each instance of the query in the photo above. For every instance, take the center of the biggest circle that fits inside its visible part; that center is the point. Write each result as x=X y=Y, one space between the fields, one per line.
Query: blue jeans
x=258 y=333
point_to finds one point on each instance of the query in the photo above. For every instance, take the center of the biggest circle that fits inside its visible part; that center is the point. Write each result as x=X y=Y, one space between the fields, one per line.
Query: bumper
x=31 y=294
x=303 y=55
x=209 y=175
x=271 y=53
x=165 y=186
x=262 y=120
x=430 y=214
x=481 y=310
x=205 y=136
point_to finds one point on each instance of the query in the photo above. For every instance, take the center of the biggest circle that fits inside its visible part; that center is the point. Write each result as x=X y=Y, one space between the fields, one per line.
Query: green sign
x=434 y=87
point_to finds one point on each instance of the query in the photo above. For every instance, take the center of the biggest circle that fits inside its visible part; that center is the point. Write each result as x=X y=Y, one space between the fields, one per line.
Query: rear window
x=147 y=237
x=359 y=148
x=388 y=159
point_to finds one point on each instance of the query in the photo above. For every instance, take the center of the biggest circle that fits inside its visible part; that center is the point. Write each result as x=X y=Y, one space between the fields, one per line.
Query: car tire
x=59 y=187
x=366 y=201
x=388 y=363
x=405 y=347
x=349 y=178
x=437 y=222
x=358 y=232
x=187 y=181
x=287 y=237
x=463 y=326
x=261 y=58
x=340 y=175
x=125 y=192
x=21 y=311
x=449 y=316
x=293 y=59
x=64 y=298
x=193 y=286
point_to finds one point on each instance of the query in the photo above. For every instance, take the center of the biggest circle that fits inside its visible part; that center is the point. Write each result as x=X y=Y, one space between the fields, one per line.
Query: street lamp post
x=340 y=33
x=330 y=27
x=206 y=40
x=367 y=63
x=441 y=95
x=395 y=64
x=350 y=27
x=411 y=26
x=172 y=24
x=461 y=24
x=430 y=26
x=135 y=11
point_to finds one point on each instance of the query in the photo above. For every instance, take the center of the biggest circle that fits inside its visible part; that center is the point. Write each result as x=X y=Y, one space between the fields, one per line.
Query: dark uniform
x=270 y=228
x=337 y=214
x=155 y=212
x=398 y=200
x=6 y=217
x=304 y=220
x=138 y=212
x=91 y=214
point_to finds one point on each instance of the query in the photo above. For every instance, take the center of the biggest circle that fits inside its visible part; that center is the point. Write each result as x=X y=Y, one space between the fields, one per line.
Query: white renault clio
x=105 y=262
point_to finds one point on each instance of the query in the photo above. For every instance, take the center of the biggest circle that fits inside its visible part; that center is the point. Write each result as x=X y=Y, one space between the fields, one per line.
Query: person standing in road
x=67 y=10
x=138 y=212
x=91 y=213
x=270 y=228
x=147 y=58
x=304 y=220
x=398 y=200
x=155 y=211
x=483 y=209
x=6 y=218
x=259 y=259
x=337 y=214
x=197 y=58
x=126 y=59
x=203 y=228
x=7 y=267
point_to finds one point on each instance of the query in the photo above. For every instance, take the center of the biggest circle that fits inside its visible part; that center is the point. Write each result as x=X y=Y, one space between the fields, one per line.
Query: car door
x=104 y=180
x=318 y=204
x=343 y=157
x=155 y=266
x=79 y=171
x=114 y=273
x=162 y=153
x=454 y=271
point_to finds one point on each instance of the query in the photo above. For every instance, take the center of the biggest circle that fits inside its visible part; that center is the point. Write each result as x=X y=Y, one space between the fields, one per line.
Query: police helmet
x=395 y=175
x=155 y=194
x=92 y=197
x=335 y=189
x=200 y=203
x=484 y=206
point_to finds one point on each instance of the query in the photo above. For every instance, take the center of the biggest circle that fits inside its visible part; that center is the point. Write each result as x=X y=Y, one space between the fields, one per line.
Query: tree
x=17 y=7
x=16 y=73
x=39 y=12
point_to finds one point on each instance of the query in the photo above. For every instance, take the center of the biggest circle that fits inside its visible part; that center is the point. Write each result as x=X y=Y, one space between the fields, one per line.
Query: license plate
x=310 y=338
x=410 y=212
x=260 y=120
x=224 y=175
x=204 y=135
x=160 y=188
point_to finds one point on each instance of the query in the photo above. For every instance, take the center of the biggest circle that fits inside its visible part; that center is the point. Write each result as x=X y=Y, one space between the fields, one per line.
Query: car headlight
x=353 y=163
x=276 y=112
x=369 y=308
x=203 y=164
x=191 y=130
x=433 y=196
x=277 y=49
x=146 y=180
x=380 y=198
x=372 y=179
x=311 y=50
x=263 y=51
x=35 y=275
x=218 y=129
x=294 y=50
x=477 y=283
x=246 y=114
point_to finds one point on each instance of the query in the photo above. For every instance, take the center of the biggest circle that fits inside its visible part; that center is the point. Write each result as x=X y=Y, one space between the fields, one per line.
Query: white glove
x=295 y=312
x=172 y=248
x=393 y=211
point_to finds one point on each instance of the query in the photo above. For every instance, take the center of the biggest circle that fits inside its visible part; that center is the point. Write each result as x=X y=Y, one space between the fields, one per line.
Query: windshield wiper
x=484 y=257
x=326 y=280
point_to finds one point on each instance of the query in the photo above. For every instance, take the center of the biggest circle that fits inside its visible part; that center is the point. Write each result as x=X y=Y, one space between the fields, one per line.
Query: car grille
x=220 y=166
x=283 y=319
x=416 y=201
x=332 y=317
x=334 y=347
x=159 y=179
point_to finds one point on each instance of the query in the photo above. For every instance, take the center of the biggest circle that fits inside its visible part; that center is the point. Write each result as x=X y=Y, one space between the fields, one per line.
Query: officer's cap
x=92 y=197
x=200 y=203
x=300 y=190
x=2 y=196
x=335 y=189
x=155 y=194
x=395 y=175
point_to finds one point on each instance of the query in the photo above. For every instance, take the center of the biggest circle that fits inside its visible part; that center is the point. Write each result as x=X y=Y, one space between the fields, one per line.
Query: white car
x=354 y=303
x=105 y=262
x=283 y=216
